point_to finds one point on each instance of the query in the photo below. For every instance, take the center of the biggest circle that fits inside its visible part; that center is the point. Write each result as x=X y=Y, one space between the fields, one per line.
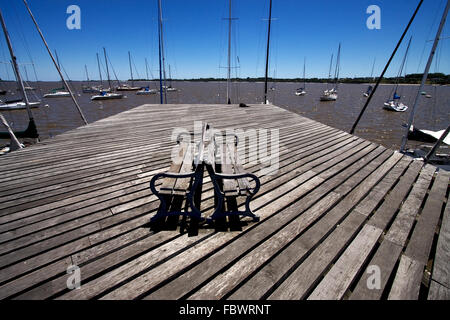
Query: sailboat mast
x=26 y=73
x=54 y=62
x=373 y=68
x=229 y=56
x=107 y=69
x=170 y=78
x=425 y=76
x=57 y=59
x=267 y=51
x=304 y=73
x=99 y=70
x=402 y=65
x=16 y=68
x=159 y=51
x=329 y=70
x=338 y=62
x=146 y=68
x=162 y=50
x=87 y=74
x=131 y=69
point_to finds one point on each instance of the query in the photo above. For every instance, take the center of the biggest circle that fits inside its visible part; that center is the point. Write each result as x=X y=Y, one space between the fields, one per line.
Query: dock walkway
x=342 y=218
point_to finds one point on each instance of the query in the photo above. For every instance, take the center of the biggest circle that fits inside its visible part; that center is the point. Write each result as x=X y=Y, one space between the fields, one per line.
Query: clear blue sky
x=196 y=36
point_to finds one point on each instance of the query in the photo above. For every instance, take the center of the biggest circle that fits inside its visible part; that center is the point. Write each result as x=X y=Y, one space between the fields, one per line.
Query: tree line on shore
x=414 y=78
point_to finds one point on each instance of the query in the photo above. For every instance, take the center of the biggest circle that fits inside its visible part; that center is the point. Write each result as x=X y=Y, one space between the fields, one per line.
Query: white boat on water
x=94 y=89
x=107 y=96
x=126 y=87
x=329 y=95
x=394 y=103
x=395 y=106
x=300 y=92
x=17 y=105
x=57 y=94
x=147 y=91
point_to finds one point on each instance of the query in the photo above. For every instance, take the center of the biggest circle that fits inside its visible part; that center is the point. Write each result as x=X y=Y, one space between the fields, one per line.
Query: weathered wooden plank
x=419 y=245
x=407 y=280
x=409 y=275
x=441 y=265
x=400 y=228
x=438 y=291
x=338 y=279
x=268 y=276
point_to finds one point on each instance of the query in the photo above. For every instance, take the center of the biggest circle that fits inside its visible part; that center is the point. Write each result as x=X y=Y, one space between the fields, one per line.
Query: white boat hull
x=301 y=93
x=18 y=105
x=146 y=92
x=58 y=94
x=107 y=96
x=393 y=106
x=329 y=97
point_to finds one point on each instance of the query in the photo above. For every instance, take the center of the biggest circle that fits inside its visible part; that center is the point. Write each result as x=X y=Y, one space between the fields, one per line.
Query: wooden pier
x=342 y=218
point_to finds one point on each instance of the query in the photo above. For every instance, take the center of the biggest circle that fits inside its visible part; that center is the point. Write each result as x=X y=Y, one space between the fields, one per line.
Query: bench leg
x=195 y=194
x=248 y=211
x=162 y=210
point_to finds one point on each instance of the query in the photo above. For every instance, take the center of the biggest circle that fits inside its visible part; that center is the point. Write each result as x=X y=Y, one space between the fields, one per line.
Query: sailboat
x=18 y=103
x=104 y=95
x=370 y=87
x=169 y=88
x=90 y=89
x=31 y=131
x=146 y=90
x=331 y=94
x=266 y=77
x=301 y=91
x=126 y=87
x=441 y=136
x=394 y=104
x=57 y=92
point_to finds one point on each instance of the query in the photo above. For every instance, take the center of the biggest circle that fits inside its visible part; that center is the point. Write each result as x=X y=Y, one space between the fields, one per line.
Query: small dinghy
x=107 y=96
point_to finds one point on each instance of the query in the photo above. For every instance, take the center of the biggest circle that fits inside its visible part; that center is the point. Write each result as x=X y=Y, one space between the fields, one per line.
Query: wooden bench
x=181 y=180
x=229 y=177
x=185 y=176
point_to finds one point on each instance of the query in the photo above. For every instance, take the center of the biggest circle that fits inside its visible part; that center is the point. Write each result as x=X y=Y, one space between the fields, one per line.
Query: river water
x=58 y=115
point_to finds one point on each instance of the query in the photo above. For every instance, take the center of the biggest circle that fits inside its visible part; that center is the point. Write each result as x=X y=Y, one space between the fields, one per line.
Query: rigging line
x=28 y=51
x=352 y=130
x=134 y=65
x=112 y=67
x=4 y=59
x=424 y=77
x=429 y=33
x=400 y=71
x=54 y=62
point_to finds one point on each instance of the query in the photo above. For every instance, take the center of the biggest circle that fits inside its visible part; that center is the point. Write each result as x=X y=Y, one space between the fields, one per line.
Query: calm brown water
x=377 y=125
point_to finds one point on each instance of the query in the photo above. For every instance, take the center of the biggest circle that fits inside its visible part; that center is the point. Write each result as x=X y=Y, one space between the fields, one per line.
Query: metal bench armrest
x=242 y=175
x=158 y=176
